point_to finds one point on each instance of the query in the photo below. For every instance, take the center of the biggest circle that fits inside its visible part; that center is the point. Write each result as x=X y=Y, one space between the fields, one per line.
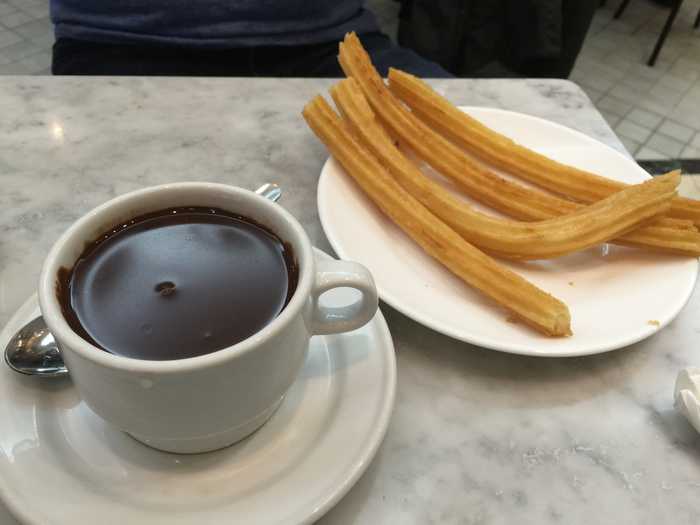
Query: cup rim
x=59 y=327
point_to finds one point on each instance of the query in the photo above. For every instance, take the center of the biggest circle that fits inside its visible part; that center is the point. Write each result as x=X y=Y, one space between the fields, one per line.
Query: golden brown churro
x=510 y=198
x=481 y=184
x=502 y=152
x=519 y=296
x=585 y=227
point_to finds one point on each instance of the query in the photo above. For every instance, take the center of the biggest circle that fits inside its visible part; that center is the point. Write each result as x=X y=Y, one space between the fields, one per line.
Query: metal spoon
x=34 y=351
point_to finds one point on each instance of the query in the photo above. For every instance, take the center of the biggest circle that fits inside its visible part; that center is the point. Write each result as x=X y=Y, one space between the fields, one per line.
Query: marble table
x=477 y=437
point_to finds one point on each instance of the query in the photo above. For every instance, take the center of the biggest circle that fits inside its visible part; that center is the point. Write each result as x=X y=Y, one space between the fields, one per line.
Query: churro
x=502 y=152
x=520 y=297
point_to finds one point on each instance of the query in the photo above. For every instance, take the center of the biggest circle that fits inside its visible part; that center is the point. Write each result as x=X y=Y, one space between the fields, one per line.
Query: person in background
x=280 y=38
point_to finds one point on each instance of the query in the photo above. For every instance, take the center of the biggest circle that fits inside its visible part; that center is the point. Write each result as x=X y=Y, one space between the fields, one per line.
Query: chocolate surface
x=178 y=283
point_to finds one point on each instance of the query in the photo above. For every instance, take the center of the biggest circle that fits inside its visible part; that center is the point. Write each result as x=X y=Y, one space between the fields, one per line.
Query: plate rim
x=435 y=324
x=13 y=499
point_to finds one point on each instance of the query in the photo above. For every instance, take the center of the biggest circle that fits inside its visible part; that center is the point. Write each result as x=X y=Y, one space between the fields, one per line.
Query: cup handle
x=346 y=274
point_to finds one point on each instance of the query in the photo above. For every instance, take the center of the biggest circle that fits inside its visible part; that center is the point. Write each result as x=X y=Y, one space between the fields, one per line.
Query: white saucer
x=617 y=296
x=61 y=464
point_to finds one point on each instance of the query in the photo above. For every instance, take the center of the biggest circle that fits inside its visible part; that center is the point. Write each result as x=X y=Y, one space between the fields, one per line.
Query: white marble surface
x=477 y=437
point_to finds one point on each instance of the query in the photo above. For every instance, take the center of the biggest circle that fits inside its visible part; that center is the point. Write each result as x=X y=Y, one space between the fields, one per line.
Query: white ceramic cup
x=210 y=401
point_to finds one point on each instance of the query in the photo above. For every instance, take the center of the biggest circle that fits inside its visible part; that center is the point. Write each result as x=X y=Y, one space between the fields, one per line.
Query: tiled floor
x=26 y=35
x=656 y=111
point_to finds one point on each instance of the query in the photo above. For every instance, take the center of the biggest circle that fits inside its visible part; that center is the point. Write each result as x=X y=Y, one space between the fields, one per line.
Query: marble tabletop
x=477 y=437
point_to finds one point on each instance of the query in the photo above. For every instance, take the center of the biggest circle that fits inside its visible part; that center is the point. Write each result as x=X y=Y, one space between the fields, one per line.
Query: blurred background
x=654 y=109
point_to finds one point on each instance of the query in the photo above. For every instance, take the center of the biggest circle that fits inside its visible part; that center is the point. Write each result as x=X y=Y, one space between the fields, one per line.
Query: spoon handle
x=270 y=191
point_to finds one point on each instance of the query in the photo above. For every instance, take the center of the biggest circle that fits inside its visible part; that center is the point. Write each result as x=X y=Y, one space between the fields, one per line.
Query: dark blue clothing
x=280 y=38
x=210 y=24
x=80 y=57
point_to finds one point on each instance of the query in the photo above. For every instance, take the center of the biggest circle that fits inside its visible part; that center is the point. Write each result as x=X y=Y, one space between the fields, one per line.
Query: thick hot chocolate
x=178 y=283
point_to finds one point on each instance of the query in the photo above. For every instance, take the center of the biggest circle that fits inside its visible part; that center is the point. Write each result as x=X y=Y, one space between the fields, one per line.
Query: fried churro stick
x=487 y=187
x=481 y=184
x=504 y=153
x=585 y=227
x=526 y=301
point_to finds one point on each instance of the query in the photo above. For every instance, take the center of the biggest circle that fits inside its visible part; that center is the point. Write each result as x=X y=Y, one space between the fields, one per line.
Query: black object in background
x=498 y=38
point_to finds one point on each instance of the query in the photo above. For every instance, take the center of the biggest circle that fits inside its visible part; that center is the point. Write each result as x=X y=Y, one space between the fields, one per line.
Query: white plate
x=61 y=464
x=616 y=295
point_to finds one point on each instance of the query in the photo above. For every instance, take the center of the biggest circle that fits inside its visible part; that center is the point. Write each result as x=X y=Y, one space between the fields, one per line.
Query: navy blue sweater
x=210 y=23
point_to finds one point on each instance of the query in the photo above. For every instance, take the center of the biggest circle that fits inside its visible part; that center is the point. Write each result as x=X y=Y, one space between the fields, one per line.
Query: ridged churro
x=520 y=297
x=587 y=226
x=504 y=153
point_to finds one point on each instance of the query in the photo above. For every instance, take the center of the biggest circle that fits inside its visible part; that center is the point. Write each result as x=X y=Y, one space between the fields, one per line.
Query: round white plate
x=61 y=464
x=616 y=296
